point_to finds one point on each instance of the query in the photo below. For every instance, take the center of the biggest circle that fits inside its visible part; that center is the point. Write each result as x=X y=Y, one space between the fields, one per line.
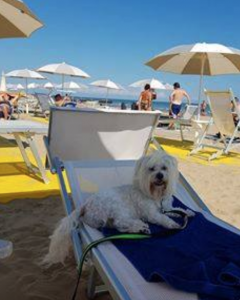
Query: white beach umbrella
x=33 y=86
x=108 y=84
x=25 y=74
x=64 y=70
x=49 y=85
x=3 y=85
x=71 y=85
x=15 y=87
x=16 y=20
x=154 y=84
x=198 y=59
x=19 y=86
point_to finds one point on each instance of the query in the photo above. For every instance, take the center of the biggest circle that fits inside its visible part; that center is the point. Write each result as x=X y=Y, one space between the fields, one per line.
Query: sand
x=28 y=224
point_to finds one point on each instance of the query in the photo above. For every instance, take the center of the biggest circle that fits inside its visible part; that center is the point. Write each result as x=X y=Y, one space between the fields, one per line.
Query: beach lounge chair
x=44 y=103
x=222 y=118
x=185 y=120
x=27 y=130
x=104 y=154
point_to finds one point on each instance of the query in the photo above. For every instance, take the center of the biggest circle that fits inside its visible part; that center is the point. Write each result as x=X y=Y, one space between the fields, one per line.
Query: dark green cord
x=125 y=236
x=130 y=236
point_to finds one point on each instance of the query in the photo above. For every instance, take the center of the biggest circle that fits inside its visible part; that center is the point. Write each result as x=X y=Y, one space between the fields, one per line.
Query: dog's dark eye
x=152 y=169
x=164 y=168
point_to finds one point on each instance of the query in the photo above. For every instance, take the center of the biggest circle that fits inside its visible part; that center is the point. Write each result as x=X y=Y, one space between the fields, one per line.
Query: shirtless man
x=176 y=101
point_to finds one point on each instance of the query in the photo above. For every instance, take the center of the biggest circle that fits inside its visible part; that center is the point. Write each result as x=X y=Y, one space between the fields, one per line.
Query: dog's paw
x=139 y=226
x=172 y=225
x=190 y=213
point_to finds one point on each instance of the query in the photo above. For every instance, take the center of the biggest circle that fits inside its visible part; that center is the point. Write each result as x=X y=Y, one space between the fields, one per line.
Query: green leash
x=126 y=236
x=130 y=236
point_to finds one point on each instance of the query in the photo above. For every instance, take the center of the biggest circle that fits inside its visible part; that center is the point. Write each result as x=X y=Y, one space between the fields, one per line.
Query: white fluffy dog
x=126 y=208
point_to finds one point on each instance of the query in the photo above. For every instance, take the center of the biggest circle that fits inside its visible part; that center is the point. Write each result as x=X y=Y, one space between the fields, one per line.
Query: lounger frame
x=185 y=120
x=27 y=130
x=227 y=137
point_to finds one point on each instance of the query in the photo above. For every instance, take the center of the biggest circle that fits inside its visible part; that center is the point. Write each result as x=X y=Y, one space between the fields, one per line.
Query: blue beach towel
x=204 y=258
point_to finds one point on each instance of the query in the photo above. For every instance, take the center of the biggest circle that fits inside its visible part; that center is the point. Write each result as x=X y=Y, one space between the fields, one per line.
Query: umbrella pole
x=200 y=87
x=27 y=107
x=62 y=82
x=107 y=96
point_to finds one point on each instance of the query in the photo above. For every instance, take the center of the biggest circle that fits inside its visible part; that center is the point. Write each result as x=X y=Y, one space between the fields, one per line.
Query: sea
x=156 y=104
x=116 y=103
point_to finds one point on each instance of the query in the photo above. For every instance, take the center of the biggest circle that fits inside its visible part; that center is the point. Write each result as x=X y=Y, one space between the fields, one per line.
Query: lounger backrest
x=81 y=134
x=86 y=178
x=220 y=105
x=190 y=112
x=44 y=101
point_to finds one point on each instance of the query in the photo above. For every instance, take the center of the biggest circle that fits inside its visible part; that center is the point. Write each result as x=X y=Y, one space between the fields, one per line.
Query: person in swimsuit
x=61 y=101
x=145 y=99
x=176 y=102
x=7 y=102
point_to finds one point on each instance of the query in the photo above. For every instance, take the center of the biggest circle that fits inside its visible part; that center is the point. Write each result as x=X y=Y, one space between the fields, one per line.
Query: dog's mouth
x=159 y=183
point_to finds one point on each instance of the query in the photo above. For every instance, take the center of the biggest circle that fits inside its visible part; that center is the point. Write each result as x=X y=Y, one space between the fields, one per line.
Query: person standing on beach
x=145 y=99
x=176 y=99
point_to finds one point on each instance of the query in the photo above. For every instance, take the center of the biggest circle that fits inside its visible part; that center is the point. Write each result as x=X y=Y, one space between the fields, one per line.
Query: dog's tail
x=60 y=243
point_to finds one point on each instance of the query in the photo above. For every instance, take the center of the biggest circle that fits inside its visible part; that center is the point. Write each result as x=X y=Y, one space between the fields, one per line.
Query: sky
x=114 y=38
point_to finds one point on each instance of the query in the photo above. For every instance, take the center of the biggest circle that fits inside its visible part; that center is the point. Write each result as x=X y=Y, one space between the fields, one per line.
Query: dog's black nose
x=159 y=176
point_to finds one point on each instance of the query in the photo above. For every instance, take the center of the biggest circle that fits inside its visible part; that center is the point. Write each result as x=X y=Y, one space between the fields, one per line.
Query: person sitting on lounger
x=176 y=99
x=7 y=103
x=145 y=99
x=61 y=101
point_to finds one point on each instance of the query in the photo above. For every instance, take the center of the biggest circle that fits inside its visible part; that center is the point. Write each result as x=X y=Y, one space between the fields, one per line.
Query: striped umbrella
x=198 y=59
x=16 y=20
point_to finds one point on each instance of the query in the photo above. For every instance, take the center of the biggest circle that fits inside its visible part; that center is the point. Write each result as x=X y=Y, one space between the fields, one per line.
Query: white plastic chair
x=185 y=120
x=222 y=118
x=44 y=102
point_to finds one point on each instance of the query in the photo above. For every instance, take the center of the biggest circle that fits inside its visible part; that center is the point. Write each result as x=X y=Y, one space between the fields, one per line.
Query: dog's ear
x=174 y=169
x=173 y=162
x=140 y=162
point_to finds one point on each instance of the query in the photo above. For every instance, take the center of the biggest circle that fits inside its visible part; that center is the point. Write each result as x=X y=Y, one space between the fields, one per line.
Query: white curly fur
x=126 y=208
